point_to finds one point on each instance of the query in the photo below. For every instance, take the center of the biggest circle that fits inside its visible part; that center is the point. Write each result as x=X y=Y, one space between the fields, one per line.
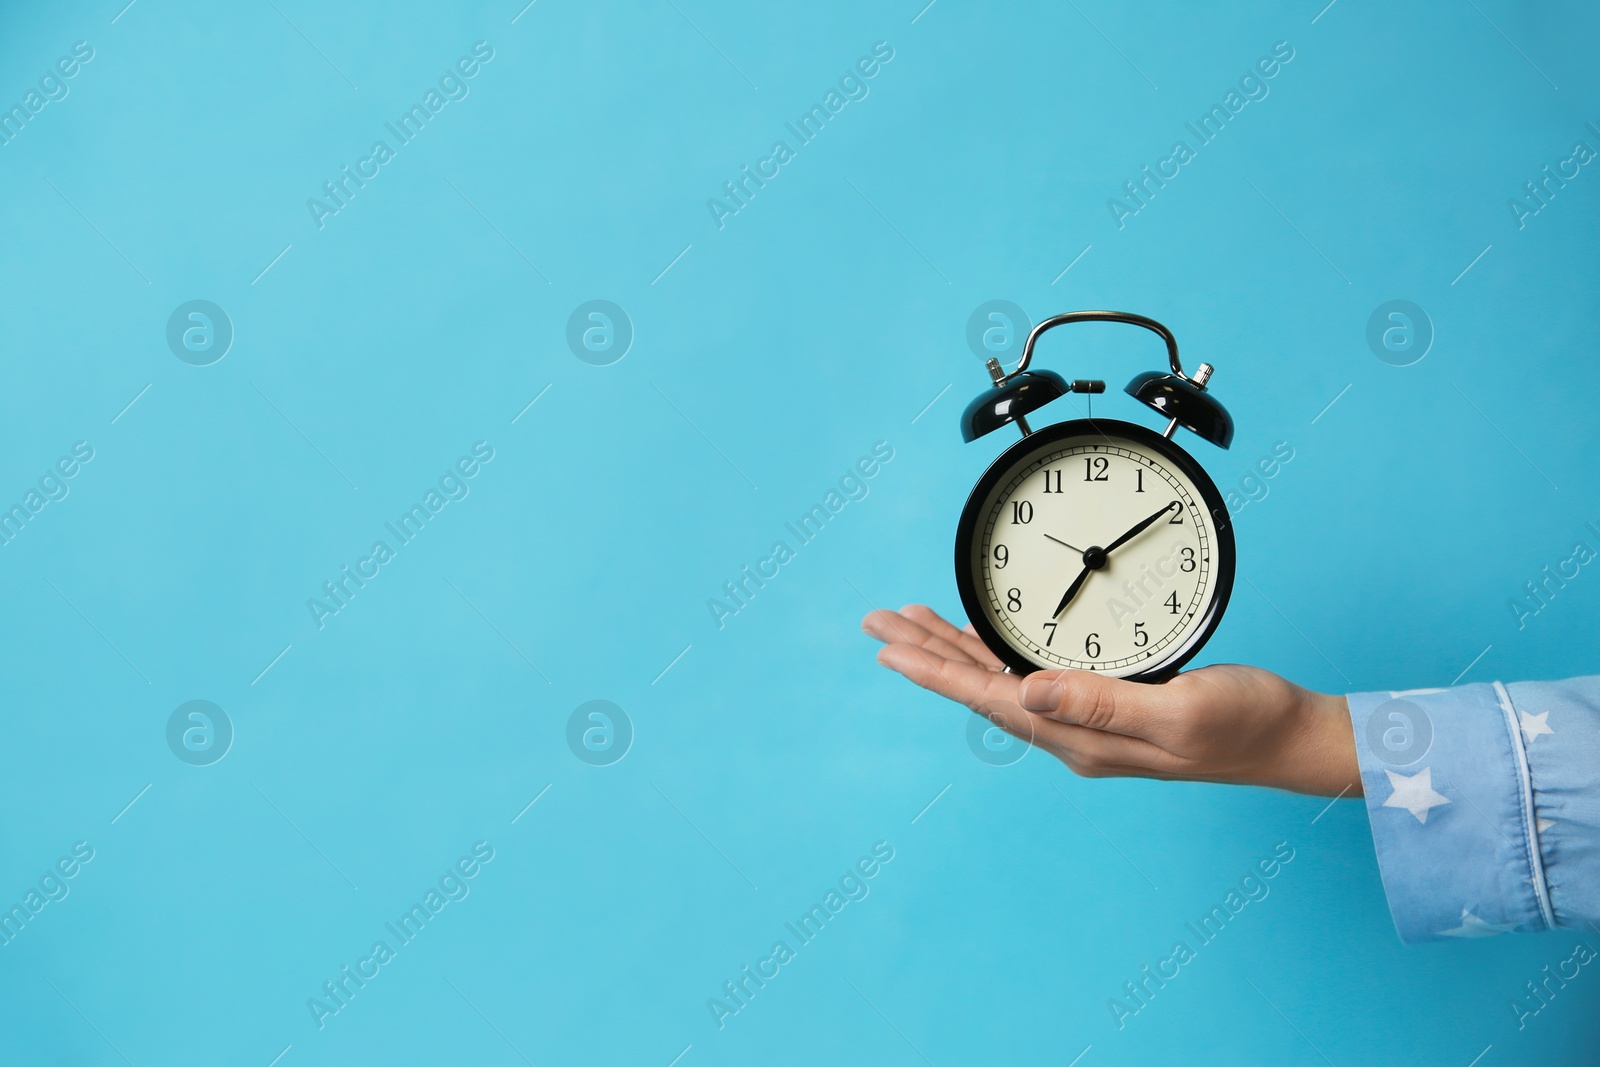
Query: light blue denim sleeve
x=1485 y=805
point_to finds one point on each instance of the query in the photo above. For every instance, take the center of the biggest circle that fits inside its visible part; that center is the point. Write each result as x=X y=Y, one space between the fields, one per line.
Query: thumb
x=1085 y=698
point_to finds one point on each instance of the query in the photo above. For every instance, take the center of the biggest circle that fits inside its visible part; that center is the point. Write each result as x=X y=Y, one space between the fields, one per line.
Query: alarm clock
x=1096 y=544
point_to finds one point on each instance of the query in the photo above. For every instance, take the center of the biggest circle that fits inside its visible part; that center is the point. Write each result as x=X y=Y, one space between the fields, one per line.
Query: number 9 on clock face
x=1098 y=546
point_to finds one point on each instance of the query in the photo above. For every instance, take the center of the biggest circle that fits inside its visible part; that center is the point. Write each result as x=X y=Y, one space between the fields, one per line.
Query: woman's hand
x=1224 y=723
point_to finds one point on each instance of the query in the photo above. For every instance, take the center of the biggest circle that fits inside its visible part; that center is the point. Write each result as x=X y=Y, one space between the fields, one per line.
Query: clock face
x=1097 y=546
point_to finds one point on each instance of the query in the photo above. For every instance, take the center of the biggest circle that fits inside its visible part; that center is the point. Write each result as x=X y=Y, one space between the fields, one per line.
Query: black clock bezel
x=967 y=529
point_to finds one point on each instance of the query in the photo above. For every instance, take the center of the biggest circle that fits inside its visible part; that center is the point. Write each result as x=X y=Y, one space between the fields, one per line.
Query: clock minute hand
x=1140 y=528
x=1095 y=557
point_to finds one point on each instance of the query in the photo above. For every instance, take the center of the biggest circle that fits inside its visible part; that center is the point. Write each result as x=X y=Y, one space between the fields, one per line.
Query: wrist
x=1328 y=765
x=1318 y=752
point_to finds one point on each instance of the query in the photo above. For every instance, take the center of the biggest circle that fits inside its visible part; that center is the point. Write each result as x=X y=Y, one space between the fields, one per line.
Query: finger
x=1085 y=698
x=979 y=688
x=892 y=627
x=991 y=694
x=984 y=691
x=970 y=642
x=972 y=631
x=1089 y=752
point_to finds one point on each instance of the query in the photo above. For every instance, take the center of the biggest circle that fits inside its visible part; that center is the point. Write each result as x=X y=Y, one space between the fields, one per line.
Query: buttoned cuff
x=1451 y=803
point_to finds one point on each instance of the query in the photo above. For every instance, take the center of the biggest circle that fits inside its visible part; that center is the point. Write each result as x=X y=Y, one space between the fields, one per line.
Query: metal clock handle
x=1108 y=316
x=1180 y=397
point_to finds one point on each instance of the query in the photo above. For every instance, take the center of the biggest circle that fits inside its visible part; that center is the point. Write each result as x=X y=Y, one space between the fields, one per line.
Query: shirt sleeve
x=1485 y=805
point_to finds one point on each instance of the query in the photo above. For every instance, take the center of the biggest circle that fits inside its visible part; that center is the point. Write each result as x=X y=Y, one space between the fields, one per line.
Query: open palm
x=1224 y=723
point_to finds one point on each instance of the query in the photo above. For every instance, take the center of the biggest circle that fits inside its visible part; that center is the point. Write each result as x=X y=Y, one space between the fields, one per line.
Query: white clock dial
x=1120 y=528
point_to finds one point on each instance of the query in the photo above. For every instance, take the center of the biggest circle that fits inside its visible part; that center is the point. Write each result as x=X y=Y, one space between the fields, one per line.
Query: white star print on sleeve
x=1535 y=725
x=1415 y=793
x=1485 y=813
x=1472 y=926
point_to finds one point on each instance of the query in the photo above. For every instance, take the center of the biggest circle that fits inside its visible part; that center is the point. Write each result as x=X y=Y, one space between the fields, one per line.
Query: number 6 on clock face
x=1095 y=545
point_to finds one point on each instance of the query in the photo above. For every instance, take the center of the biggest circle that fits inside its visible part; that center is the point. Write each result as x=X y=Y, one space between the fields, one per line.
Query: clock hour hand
x=1062 y=543
x=1140 y=528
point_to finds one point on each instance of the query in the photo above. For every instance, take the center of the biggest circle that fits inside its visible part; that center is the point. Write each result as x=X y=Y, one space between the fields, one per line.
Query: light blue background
x=821 y=319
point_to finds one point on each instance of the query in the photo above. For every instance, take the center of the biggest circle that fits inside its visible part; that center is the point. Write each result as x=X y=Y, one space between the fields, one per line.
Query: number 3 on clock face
x=1097 y=546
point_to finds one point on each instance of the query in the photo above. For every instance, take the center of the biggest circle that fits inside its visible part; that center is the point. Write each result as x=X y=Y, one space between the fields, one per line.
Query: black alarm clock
x=1096 y=544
